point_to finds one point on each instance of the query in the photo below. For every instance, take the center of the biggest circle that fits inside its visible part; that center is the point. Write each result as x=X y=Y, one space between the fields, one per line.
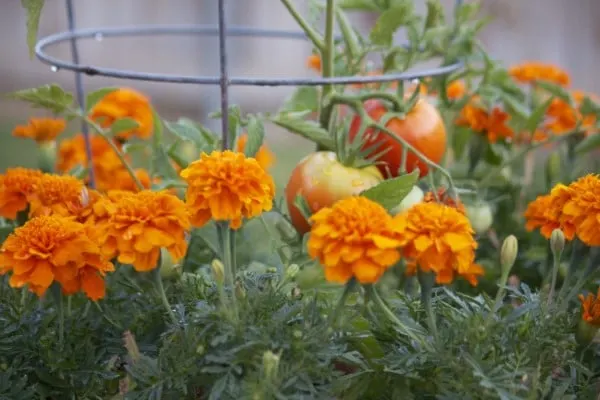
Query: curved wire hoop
x=223 y=80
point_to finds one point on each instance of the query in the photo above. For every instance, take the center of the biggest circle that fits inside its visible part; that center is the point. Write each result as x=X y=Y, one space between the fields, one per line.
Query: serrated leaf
x=310 y=130
x=34 y=12
x=123 y=125
x=303 y=98
x=590 y=143
x=51 y=97
x=185 y=130
x=389 y=22
x=256 y=134
x=555 y=90
x=94 y=97
x=516 y=106
x=391 y=192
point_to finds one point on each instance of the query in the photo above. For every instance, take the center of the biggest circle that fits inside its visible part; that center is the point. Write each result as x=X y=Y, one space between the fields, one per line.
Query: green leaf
x=51 y=97
x=256 y=134
x=310 y=130
x=555 y=90
x=389 y=22
x=304 y=98
x=494 y=153
x=515 y=105
x=537 y=116
x=122 y=125
x=435 y=14
x=363 y=5
x=590 y=143
x=79 y=172
x=460 y=139
x=94 y=97
x=391 y=192
x=34 y=12
x=4 y=232
x=186 y=130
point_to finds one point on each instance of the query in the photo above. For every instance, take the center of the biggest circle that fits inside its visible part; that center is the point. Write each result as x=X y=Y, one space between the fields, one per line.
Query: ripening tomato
x=322 y=180
x=480 y=216
x=423 y=128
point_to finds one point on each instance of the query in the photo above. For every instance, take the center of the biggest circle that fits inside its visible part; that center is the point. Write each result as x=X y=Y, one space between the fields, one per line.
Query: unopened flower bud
x=585 y=333
x=168 y=269
x=292 y=271
x=508 y=253
x=47 y=155
x=218 y=270
x=557 y=242
x=270 y=364
x=240 y=292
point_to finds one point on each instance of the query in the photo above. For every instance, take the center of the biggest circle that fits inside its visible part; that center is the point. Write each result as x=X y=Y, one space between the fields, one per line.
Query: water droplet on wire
x=98 y=36
x=54 y=68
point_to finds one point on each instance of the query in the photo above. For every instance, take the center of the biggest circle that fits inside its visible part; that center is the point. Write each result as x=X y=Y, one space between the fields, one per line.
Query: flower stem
x=226 y=234
x=555 y=266
x=312 y=34
x=58 y=300
x=341 y=302
x=161 y=291
x=427 y=280
x=327 y=54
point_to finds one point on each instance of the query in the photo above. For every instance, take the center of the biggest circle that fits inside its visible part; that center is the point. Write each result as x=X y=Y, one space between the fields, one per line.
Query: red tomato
x=322 y=180
x=423 y=128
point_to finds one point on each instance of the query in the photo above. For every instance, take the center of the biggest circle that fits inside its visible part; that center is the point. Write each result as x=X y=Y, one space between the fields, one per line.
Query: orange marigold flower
x=54 y=248
x=438 y=238
x=444 y=197
x=562 y=117
x=493 y=124
x=583 y=208
x=354 y=238
x=141 y=224
x=546 y=213
x=125 y=103
x=57 y=194
x=529 y=72
x=41 y=129
x=264 y=156
x=16 y=187
x=591 y=308
x=227 y=186
x=314 y=62
x=456 y=90
x=122 y=180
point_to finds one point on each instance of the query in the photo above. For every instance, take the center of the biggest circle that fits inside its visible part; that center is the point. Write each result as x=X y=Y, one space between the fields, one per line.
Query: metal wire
x=80 y=94
x=224 y=79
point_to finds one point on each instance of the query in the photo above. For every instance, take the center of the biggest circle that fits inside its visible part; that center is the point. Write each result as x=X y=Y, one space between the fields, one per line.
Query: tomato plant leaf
x=537 y=116
x=390 y=21
x=303 y=98
x=34 y=12
x=363 y=5
x=310 y=130
x=590 y=143
x=460 y=139
x=186 y=130
x=555 y=90
x=391 y=192
x=51 y=97
x=122 y=125
x=94 y=97
x=256 y=134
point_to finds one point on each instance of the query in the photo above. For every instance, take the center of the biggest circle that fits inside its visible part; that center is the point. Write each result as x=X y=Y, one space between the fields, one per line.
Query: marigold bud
x=586 y=332
x=292 y=271
x=270 y=364
x=508 y=253
x=218 y=270
x=240 y=291
x=557 y=242
x=168 y=269
x=47 y=155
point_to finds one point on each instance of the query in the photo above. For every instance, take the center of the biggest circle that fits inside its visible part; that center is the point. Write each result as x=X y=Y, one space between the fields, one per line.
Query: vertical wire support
x=224 y=82
x=80 y=94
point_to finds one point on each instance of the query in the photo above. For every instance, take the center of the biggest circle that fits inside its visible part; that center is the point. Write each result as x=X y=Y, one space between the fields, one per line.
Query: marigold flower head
x=529 y=72
x=456 y=90
x=16 y=187
x=582 y=207
x=314 y=62
x=591 y=308
x=141 y=224
x=54 y=248
x=56 y=194
x=438 y=238
x=546 y=213
x=227 y=186
x=493 y=124
x=264 y=156
x=125 y=103
x=354 y=238
x=445 y=198
x=41 y=129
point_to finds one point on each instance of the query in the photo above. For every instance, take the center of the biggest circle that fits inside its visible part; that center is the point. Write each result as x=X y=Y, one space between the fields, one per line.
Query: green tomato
x=413 y=197
x=481 y=217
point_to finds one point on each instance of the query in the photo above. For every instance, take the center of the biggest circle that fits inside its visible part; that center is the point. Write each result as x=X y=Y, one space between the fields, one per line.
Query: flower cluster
x=531 y=72
x=357 y=238
x=575 y=209
x=493 y=124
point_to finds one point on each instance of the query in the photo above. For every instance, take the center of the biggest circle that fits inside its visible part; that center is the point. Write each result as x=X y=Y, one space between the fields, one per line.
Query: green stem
x=312 y=34
x=106 y=317
x=327 y=53
x=575 y=253
x=555 y=266
x=56 y=292
x=499 y=294
x=227 y=247
x=114 y=148
x=427 y=280
x=163 y=295
x=333 y=317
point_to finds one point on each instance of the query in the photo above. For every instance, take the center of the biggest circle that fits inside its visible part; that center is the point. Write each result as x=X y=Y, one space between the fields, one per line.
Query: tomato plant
x=322 y=180
x=422 y=128
x=415 y=196
x=481 y=217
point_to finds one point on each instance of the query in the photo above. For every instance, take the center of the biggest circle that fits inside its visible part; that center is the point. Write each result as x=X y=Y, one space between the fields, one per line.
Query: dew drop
x=99 y=37
x=54 y=68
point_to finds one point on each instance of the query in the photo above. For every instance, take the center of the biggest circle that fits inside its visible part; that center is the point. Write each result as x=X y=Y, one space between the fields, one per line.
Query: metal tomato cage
x=224 y=80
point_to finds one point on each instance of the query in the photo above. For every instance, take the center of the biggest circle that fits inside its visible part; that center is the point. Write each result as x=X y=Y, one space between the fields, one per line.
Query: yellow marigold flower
x=438 y=238
x=41 y=129
x=227 y=186
x=56 y=194
x=16 y=187
x=494 y=124
x=53 y=248
x=264 y=156
x=314 y=62
x=583 y=208
x=125 y=103
x=591 y=308
x=141 y=224
x=528 y=72
x=354 y=238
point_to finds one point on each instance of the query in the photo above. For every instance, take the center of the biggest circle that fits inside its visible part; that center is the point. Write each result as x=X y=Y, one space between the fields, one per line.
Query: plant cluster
x=412 y=255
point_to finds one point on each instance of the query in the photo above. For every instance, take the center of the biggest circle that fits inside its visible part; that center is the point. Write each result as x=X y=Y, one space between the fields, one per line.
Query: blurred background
x=556 y=31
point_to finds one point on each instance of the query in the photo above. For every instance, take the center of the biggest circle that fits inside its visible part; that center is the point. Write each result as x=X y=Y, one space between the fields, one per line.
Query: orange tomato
x=423 y=128
x=322 y=180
